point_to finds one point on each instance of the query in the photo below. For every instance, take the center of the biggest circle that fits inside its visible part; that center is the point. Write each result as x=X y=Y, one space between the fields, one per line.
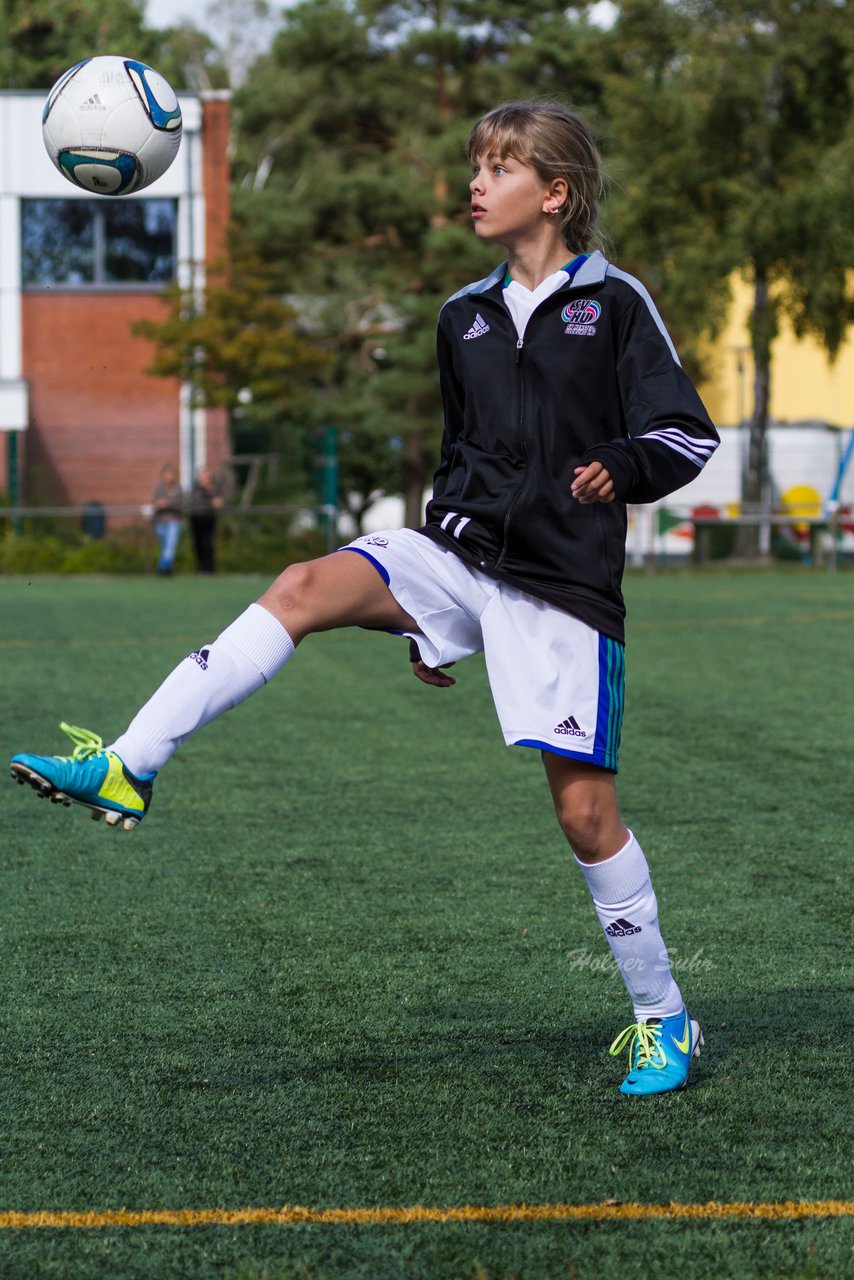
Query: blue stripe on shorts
x=380 y=568
x=383 y=572
x=609 y=711
x=612 y=694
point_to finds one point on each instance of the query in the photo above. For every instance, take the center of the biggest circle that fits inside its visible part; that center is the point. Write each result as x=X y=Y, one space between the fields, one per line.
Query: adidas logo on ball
x=111 y=125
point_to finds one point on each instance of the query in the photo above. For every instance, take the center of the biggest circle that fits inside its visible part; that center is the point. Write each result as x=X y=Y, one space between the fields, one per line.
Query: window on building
x=93 y=243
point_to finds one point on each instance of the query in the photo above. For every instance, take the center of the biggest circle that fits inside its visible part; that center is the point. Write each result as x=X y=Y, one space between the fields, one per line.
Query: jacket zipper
x=502 y=555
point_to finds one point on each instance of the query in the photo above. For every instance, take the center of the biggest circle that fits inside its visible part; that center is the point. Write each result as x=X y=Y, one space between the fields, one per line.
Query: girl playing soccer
x=564 y=400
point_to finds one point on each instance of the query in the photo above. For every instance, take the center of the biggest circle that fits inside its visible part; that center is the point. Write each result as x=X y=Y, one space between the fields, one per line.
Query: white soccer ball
x=111 y=125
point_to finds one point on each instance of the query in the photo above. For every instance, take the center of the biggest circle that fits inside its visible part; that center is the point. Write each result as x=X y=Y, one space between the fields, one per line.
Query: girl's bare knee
x=585 y=804
x=288 y=598
x=291 y=587
x=339 y=590
x=581 y=821
x=588 y=814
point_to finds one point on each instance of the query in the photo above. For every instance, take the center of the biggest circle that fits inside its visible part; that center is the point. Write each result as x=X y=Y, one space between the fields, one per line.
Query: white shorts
x=557 y=684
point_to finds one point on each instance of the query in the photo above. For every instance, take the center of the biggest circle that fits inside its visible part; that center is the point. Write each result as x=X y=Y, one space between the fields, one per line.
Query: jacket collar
x=593 y=271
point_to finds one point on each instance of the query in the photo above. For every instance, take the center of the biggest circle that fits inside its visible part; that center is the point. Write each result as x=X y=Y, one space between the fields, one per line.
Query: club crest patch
x=580 y=317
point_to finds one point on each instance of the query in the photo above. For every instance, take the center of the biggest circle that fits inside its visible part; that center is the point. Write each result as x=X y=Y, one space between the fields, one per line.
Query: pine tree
x=39 y=39
x=352 y=179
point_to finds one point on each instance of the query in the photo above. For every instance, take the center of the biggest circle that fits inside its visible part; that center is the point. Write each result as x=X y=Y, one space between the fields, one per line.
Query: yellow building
x=805 y=386
x=811 y=416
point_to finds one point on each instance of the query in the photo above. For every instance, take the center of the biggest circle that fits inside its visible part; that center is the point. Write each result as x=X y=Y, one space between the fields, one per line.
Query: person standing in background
x=205 y=502
x=168 y=502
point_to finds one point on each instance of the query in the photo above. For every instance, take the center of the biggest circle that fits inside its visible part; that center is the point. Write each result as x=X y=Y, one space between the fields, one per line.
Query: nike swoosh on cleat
x=683 y=1045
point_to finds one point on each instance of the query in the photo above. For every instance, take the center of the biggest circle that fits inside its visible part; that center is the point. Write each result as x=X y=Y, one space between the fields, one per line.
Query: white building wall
x=26 y=171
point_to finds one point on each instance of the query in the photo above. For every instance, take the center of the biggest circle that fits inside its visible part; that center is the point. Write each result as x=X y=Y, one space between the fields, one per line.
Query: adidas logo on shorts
x=570 y=726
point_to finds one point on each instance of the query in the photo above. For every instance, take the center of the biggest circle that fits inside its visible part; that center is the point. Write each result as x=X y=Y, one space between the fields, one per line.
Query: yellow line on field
x=297 y=1215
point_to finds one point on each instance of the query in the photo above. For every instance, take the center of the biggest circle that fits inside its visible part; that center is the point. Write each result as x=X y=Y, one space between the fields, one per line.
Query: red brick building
x=80 y=419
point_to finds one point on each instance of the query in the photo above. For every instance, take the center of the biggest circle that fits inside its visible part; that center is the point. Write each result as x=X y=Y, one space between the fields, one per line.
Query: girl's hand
x=433 y=675
x=593 y=483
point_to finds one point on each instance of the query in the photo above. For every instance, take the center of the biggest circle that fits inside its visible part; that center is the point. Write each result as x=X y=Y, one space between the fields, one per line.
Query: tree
x=242 y=30
x=220 y=54
x=241 y=347
x=39 y=39
x=370 y=469
x=189 y=59
x=733 y=126
x=786 y=123
x=351 y=173
x=663 y=201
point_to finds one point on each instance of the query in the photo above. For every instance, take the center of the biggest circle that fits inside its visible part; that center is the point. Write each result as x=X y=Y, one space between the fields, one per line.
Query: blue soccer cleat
x=660 y=1052
x=90 y=776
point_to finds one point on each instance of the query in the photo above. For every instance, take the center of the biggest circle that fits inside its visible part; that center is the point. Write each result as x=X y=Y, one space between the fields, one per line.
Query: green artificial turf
x=347 y=961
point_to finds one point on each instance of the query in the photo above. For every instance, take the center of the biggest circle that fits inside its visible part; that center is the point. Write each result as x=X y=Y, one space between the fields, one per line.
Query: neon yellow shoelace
x=86 y=743
x=642 y=1039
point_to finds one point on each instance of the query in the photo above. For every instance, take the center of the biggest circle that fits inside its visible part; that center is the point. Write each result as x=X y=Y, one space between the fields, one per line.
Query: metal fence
x=823 y=541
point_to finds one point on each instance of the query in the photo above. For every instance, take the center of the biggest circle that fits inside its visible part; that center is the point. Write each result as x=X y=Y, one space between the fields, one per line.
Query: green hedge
x=262 y=545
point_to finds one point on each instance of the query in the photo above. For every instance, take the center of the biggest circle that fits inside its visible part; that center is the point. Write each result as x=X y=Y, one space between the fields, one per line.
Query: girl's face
x=510 y=202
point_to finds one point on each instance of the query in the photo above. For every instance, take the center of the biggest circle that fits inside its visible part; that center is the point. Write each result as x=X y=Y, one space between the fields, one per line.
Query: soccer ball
x=111 y=125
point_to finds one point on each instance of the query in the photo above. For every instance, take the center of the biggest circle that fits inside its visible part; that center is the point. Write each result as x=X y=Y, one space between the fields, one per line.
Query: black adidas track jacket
x=595 y=378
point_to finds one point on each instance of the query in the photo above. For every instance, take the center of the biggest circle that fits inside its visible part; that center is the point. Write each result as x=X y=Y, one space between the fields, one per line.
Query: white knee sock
x=628 y=912
x=210 y=681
